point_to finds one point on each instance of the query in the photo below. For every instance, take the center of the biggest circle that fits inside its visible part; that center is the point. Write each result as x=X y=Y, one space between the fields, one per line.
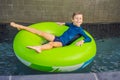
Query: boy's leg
x=47 y=46
x=46 y=35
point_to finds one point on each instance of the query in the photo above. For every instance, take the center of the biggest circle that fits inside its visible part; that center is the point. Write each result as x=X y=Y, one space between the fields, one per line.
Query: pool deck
x=70 y=76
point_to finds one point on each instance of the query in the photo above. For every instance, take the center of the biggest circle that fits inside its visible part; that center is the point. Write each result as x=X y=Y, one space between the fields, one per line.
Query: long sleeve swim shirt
x=71 y=32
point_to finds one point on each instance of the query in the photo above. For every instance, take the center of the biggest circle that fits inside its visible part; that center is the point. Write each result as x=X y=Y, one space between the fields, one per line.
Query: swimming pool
x=107 y=58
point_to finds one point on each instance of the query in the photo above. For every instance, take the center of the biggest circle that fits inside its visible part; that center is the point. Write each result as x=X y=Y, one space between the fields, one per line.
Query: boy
x=66 y=37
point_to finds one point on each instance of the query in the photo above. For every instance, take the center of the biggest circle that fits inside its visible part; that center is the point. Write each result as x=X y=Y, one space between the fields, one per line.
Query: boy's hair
x=75 y=13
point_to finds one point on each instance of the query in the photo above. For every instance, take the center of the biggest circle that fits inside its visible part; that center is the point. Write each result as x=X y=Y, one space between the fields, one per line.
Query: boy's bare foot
x=36 y=48
x=19 y=27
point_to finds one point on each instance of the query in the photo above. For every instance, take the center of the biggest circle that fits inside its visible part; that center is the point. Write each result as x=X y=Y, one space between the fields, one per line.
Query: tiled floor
x=76 y=76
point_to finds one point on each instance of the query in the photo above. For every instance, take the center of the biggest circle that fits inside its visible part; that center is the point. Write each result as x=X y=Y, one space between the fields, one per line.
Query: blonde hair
x=76 y=13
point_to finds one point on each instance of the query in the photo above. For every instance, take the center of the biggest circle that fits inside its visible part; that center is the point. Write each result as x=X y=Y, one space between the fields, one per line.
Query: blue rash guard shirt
x=70 y=33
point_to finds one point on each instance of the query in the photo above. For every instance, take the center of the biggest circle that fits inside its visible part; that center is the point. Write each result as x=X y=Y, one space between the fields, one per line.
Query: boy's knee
x=51 y=43
x=55 y=44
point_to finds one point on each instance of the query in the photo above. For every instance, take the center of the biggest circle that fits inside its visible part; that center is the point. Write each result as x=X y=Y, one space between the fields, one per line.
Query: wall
x=32 y=11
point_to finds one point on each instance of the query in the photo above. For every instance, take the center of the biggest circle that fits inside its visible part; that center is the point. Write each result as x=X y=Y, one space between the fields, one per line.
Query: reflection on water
x=107 y=59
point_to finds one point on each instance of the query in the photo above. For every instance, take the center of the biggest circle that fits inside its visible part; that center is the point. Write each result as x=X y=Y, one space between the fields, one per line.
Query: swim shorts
x=57 y=39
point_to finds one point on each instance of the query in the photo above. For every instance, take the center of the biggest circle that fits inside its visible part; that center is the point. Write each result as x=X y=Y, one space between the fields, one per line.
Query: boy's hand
x=60 y=23
x=80 y=43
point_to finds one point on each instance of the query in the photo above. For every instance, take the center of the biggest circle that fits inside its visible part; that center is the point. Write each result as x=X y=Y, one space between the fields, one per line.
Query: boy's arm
x=86 y=39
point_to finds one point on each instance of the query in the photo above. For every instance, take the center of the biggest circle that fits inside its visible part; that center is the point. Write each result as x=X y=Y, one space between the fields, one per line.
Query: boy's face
x=77 y=20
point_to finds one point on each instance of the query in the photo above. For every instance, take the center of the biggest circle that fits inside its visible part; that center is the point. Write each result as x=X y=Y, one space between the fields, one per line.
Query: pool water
x=107 y=59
